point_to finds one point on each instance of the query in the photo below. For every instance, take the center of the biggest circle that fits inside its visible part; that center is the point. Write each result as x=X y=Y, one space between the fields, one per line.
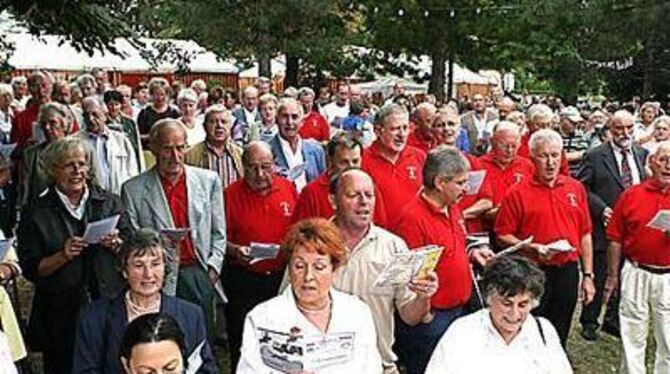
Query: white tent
x=385 y=86
x=51 y=52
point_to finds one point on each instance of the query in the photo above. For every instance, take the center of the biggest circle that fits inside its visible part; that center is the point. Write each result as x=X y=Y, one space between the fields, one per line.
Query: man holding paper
x=434 y=218
x=258 y=211
x=639 y=233
x=370 y=249
x=553 y=209
x=172 y=195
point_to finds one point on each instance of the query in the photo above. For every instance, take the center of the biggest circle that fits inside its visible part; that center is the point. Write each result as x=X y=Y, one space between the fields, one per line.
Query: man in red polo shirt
x=314 y=126
x=394 y=166
x=645 y=277
x=343 y=151
x=258 y=209
x=434 y=218
x=504 y=168
x=40 y=86
x=540 y=117
x=423 y=136
x=553 y=209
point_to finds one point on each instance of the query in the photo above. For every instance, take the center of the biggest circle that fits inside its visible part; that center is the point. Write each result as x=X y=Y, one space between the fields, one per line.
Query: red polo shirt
x=524 y=151
x=177 y=199
x=22 y=128
x=633 y=211
x=397 y=182
x=485 y=192
x=315 y=127
x=314 y=202
x=500 y=180
x=422 y=140
x=422 y=223
x=252 y=217
x=548 y=214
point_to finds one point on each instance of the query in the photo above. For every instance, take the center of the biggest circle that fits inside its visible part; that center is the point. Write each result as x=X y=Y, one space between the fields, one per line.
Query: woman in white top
x=187 y=100
x=311 y=327
x=503 y=338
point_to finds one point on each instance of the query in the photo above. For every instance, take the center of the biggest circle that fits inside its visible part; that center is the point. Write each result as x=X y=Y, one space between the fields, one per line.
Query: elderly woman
x=67 y=270
x=502 y=338
x=266 y=128
x=154 y=343
x=160 y=108
x=101 y=326
x=187 y=100
x=54 y=120
x=279 y=333
x=661 y=133
x=218 y=152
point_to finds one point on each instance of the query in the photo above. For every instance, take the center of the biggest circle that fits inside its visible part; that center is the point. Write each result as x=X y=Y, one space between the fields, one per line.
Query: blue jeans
x=415 y=344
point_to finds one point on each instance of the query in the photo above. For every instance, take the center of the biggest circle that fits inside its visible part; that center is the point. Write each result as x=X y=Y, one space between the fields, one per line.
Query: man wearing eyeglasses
x=185 y=204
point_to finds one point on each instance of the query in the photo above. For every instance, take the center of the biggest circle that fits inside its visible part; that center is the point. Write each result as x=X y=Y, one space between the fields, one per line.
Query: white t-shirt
x=473 y=345
x=332 y=111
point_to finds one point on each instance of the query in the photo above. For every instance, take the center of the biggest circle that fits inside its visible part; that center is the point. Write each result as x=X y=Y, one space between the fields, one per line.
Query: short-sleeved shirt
x=314 y=202
x=315 y=127
x=358 y=275
x=421 y=223
x=518 y=170
x=485 y=192
x=398 y=182
x=253 y=217
x=635 y=208
x=548 y=214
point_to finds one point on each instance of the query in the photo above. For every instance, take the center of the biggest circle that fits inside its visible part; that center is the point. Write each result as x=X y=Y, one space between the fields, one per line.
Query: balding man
x=173 y=196
x=370 y=249
x=478 y=124
x=246 y=115
x=553 y=210
x=606 y=172
x=40 y=86
x=423 y=136
x=394 y=166
x=645 y=276
x=258 y=210
x=115 y=160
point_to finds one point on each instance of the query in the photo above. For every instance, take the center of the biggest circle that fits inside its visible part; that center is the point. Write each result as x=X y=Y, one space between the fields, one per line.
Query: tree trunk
x=450 y=78
x=439 y=57
x=648 y=69
x=264 y=67
x=292 y=67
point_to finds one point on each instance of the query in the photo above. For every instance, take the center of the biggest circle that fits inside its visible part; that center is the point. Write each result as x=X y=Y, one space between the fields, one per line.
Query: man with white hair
x=606 y=172
x=553 y=210
x=247 y=114
x=645 y=276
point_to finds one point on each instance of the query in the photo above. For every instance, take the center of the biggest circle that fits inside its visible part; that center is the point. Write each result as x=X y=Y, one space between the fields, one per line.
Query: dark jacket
x=312 y=153
x=103 y=323
x=599 y=172
x=59 y=297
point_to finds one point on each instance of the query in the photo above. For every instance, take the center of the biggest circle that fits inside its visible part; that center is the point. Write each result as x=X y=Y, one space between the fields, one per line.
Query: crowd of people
x=265 y=226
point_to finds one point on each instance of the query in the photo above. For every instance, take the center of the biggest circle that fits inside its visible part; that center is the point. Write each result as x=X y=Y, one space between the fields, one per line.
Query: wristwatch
x=588 y=275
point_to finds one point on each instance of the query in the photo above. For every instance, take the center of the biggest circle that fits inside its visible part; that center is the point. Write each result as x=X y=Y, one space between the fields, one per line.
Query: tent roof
x=52 y=52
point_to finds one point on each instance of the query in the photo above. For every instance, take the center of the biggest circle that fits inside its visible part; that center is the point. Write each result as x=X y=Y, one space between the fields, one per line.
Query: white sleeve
x=559 y=363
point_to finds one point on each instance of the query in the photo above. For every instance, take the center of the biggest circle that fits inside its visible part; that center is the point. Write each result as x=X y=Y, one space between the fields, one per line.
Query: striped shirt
x=223 y=164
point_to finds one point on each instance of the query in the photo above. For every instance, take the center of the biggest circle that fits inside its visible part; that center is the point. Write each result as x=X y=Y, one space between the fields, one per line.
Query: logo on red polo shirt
x=572 y=199
x=286 y=207
x=518 y=177
x=412 y=172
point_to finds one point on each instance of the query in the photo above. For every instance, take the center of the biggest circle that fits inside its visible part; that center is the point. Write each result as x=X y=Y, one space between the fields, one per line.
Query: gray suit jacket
x=148 y=207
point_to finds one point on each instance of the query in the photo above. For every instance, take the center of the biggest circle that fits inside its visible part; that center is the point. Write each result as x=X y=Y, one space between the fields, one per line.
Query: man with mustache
x=394 y=166
x=551 y=208
x=606 y=172
x=435 y=218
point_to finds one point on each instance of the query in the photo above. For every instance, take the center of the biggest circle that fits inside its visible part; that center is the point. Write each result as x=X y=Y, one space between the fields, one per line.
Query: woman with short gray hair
x=187 y=100
x=503 y=337
x=68 y=269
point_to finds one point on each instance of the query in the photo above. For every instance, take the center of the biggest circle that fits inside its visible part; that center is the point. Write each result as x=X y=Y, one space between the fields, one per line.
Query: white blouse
x=280 y=315
x=473 y=345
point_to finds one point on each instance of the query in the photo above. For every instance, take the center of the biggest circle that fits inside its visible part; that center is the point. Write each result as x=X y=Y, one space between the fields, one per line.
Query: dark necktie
x=626 y=173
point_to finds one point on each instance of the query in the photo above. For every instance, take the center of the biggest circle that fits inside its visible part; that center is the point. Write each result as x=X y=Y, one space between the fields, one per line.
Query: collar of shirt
x=104 y=134
x=560 y=180
x=369 y=237
x=214 y=151
x=76 y=211
x=619 y=150
x=444 y=211
x=288 y=151
x=375 y=150
x=169 y=186
x=653 y=185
